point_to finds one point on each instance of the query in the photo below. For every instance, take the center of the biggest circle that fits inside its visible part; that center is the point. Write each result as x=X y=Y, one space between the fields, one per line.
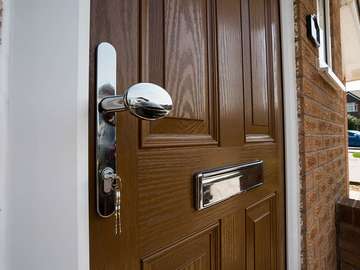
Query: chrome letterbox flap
x=216 y=185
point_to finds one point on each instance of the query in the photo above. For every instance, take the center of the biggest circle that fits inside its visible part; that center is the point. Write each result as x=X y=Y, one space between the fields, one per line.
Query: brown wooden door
x=220 y=61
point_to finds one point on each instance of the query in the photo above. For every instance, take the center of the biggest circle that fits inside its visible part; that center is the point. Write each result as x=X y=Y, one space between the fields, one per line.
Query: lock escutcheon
x=108 y=177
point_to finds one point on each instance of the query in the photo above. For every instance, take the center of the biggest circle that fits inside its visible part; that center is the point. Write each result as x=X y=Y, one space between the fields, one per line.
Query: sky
x=353 y=85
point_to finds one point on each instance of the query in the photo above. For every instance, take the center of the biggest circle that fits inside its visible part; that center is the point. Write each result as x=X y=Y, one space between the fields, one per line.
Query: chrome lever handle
x=147 y=101
x=112 y=104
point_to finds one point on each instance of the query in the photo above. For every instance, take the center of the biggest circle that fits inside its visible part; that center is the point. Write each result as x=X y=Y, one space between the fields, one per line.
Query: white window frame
x=325 y=50
x=354 y=107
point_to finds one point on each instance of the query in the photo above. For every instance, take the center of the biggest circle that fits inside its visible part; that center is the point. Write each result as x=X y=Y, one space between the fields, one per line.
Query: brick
x=322 y=157
x=311 y=161
x=350 y=258
x=311 y=125
x=349 y=238
x=344 y=210
x=323 y=164
x=309 y=182
x=356 y=215
x=313 y=143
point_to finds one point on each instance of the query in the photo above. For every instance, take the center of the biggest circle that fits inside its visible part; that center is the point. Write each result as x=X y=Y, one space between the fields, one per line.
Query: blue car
x=354 y=138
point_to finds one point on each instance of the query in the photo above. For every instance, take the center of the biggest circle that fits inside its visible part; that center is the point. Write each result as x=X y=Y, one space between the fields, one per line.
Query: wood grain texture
x=231 y=91
x=107 y=251
x=259 y=62
x=186 y=57
x=160 y=224
x=261 y=235
x=196 y=252
x=233 y=235
x=178 y=39
x=259 y=71
x=201 y=49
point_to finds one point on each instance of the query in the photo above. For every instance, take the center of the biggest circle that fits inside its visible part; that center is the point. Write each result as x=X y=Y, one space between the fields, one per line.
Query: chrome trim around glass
x=217 y=185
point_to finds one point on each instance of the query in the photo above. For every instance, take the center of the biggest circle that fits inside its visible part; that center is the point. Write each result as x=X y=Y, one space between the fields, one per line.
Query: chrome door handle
x=147 y=101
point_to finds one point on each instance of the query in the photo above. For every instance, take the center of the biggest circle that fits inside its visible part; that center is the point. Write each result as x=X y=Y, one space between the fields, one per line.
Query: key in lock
x=112 y=184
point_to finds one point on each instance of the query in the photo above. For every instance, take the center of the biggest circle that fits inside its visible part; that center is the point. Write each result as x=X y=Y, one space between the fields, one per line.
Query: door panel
x=197 y=252
x=261 y=235
x=179 y=53
x=258 y=79
x=220 y=61
x=230 y=73
x=232 y=251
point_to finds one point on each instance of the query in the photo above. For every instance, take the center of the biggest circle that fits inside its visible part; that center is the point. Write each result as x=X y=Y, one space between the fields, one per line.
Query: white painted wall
x=4 y=50
x=47 y=202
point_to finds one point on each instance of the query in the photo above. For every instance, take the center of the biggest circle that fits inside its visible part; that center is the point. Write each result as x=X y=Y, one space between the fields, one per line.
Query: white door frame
x=292 y=171
x=31 y=77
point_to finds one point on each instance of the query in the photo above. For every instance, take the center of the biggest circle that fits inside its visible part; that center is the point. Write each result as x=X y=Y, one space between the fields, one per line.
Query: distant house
x=353 y=103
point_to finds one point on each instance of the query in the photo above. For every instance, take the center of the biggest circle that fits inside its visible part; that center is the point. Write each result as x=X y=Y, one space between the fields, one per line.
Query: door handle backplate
x=105 y=130
x=146 y=101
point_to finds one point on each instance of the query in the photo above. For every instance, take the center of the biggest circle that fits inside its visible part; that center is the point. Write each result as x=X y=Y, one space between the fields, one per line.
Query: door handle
x=146 y=101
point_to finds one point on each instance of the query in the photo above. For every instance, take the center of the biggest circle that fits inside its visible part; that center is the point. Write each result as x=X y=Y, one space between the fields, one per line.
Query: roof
x=354 y=94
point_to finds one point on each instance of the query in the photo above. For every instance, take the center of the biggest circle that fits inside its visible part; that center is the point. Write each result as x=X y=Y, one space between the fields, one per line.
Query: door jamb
x=292 y=175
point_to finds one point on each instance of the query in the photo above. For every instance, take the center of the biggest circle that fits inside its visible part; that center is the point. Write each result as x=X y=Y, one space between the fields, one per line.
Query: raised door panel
x=232 y=239
x=258 y=70
x=178 y=52
x=230 y=62
x=197 y=252
x=261 y=238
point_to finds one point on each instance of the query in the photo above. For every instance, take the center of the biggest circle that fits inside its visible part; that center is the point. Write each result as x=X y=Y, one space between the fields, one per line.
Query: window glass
x=352 y=107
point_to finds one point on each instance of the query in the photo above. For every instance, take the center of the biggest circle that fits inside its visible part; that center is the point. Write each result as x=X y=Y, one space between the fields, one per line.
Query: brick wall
x=348 y=228
x=323 y=157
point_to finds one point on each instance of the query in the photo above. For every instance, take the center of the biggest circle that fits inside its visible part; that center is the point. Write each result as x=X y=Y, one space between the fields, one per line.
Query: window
x=352 y=107
x=325 y=54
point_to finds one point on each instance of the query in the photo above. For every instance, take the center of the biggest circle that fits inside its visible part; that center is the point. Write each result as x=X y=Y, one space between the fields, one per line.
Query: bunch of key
x=112 y=185
x=117 y=191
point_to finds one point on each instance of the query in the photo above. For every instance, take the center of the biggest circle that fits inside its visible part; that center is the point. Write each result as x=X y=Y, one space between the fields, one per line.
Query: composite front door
x=220 y=61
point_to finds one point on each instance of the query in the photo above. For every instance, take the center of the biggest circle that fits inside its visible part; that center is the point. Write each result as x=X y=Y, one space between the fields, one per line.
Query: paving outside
x=354 y=174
